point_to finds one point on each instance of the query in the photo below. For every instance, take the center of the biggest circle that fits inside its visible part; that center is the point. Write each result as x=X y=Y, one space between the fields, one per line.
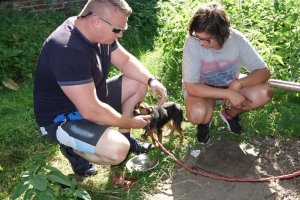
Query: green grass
x=21 y=141
x=159 y=46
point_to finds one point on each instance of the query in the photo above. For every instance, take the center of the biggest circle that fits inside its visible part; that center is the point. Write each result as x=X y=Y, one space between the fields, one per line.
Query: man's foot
x=232 y=122
x=80 y=166
x=137 y=147
x=203 y=133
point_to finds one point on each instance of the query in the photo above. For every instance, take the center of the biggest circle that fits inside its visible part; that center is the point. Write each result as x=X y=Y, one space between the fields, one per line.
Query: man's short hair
x=100 y=6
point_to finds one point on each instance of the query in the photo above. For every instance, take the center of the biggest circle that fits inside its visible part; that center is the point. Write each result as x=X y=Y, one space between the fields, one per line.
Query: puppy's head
x=142 y=108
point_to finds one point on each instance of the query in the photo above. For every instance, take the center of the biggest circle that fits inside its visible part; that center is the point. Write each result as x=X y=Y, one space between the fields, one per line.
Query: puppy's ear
x=137 y=105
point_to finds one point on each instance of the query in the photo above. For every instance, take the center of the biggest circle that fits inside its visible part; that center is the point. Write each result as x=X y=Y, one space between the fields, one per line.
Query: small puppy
x=169 y=113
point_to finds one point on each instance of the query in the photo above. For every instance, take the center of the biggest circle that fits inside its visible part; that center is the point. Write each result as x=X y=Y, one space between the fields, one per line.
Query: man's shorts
x=83 y=135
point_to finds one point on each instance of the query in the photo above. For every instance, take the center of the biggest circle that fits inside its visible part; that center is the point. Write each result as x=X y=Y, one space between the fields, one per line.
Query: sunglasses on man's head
x=116 y=29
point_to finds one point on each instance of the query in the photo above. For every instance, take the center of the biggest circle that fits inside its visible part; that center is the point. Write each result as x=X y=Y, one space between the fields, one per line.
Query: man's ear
x=94 y=21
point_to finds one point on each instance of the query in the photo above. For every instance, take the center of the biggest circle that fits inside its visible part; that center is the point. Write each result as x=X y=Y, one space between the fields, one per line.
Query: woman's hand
x=234 y=99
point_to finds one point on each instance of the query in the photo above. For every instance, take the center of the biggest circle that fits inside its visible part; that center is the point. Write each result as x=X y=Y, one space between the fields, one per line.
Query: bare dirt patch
x=268 y=157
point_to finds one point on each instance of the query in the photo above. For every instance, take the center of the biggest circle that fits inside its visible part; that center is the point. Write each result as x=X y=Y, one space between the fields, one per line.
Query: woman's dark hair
x=212 y=19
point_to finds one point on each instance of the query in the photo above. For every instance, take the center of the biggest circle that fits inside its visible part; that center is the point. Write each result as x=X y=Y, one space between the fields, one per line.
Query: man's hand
x=157 y=87
x=140 y=121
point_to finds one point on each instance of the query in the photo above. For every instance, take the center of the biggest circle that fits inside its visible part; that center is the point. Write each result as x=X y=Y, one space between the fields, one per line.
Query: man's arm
x=131 y=67
x=91 y=108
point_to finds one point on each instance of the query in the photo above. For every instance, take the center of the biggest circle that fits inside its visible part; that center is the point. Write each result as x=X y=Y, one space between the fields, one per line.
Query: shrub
x=22 y=35
x=270 y=26
x=43 y=181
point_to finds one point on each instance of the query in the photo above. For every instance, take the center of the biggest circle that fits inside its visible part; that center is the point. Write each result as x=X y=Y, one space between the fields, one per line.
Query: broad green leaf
x=58 y=177
x=73 y=184
x=67 y=192
x=10 y=84
x=28 y=195
x=51 y=168
x=278 y=58
x=55 y=188
x=38 y=165
x=39 y=182
x=82 y=193
x=45 y=195
x=20 y=189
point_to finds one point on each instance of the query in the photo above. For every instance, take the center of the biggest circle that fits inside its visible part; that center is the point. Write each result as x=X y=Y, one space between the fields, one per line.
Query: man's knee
x=114 y=156
x=119 y=155
x=133 y=87
x=142 y=88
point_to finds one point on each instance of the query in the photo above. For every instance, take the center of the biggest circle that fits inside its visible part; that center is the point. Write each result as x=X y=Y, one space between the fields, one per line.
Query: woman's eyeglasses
x=116 y=29
x=202 y=40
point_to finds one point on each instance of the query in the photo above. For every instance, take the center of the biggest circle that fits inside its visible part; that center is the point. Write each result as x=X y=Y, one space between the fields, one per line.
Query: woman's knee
x=265 y=95
x=269 y=93
x=261 y=96
x=200 y=114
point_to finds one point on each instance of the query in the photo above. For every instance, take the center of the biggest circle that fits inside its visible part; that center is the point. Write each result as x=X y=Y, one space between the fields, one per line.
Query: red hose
x=223 y=178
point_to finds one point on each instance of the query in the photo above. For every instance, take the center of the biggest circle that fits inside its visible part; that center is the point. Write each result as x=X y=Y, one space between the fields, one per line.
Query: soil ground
x=226 y=157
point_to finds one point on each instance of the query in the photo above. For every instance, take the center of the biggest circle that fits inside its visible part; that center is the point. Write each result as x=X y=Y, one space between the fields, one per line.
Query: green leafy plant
x=21 y=37
x=45 y=182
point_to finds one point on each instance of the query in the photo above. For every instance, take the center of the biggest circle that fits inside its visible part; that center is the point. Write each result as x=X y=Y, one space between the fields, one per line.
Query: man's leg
x=132 y=93
x=91 y=143
x=123 y=94
x=111 y=149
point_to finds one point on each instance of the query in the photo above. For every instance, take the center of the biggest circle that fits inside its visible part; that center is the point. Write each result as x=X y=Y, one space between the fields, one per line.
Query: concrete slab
x=227 y=157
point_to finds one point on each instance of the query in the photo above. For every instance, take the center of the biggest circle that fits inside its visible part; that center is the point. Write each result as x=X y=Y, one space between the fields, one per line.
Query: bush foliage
x=22 y=35
x=272 y=26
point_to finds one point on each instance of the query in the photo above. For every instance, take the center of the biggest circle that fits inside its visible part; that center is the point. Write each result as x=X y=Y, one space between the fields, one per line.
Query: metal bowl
x=141 y=163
